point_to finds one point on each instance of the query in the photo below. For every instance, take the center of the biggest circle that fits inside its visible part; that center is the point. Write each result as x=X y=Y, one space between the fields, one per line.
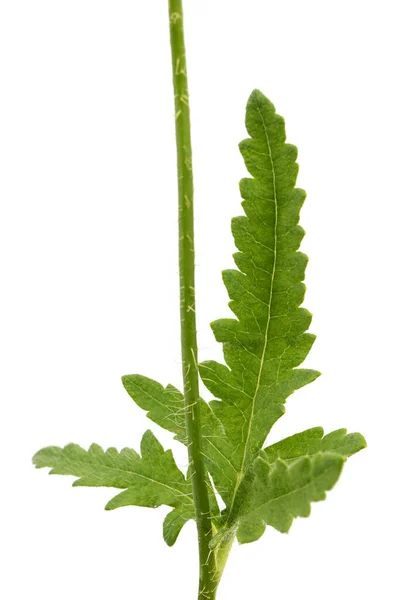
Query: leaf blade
x=173 y=523
x=311 y=441
x=267 y=341
x=150 y=480
x=164 y=405
x=283 y=491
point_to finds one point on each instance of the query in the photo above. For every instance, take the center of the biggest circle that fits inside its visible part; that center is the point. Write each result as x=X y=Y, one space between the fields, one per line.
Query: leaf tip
x=257 y=96
x=359 y=442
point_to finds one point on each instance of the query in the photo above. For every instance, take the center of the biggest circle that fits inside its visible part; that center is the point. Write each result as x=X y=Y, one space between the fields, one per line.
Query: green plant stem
x=208 y=583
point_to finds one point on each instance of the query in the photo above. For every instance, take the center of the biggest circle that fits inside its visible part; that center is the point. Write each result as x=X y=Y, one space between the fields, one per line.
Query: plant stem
x=207 y=584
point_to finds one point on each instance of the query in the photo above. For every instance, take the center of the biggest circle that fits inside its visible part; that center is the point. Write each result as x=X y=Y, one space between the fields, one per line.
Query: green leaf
x=267 y=341
x=151 y=479
x=312 y=441
x=164 y=406
x=250 y=529
x=173 y=523
x=263 y=346
x=282 y=492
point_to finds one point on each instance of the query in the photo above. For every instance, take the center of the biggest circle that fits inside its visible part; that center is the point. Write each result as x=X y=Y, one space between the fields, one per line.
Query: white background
x=90 y=288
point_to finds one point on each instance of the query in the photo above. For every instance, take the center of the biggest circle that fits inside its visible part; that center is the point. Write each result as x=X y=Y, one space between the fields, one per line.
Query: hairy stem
x=207 y=584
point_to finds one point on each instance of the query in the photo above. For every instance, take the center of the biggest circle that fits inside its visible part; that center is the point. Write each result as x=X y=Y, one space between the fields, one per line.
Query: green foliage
x=263 y=347
x=312 y=441
x=149 y=480
x=164 y=406
x=281 y=492
x=267 y=341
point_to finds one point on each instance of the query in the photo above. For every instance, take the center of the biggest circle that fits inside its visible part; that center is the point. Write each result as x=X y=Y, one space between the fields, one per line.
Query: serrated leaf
x=281 y=492
x=164 y=405
x=173 y=523
x=268 y=339
x=312 y=441
x=263 y=346
x=151 y=479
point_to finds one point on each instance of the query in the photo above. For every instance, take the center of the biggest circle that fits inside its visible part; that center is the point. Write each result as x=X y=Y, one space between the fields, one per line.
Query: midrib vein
x=128 y=471
x=296 y=490
x=246 y=446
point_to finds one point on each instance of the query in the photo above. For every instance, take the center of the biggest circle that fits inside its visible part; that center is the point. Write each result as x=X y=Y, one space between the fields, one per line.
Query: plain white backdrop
x=90 y=284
